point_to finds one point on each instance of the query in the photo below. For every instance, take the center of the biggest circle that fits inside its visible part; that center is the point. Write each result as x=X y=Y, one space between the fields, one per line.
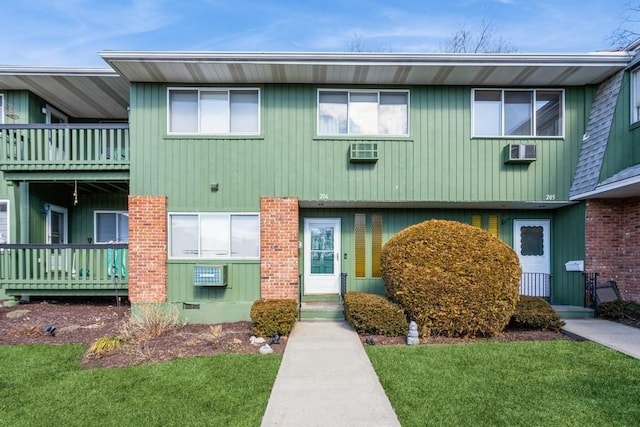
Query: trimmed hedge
x=453 y=279
x=533 y=313
x=374 y=314
x=272 y=317
x=619 y=310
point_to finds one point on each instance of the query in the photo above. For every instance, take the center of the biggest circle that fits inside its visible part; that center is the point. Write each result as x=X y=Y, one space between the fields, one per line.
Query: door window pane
x=4 y=221
x=517 y=113
x=322 y=250
x=532 y=241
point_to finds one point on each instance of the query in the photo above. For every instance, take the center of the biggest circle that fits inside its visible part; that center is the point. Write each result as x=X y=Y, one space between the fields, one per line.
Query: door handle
x=337 y=256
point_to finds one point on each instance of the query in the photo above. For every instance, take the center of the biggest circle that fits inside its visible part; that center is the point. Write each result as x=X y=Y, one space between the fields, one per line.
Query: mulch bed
x=83 y=322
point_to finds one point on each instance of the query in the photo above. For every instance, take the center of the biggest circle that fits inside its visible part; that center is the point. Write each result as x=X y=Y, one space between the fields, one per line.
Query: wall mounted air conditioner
x=363 y=152
x=520 y=153
x=210 y=275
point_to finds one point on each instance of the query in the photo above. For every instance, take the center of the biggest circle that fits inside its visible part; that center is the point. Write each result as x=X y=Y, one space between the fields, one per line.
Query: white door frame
x=534 y=285
x=322 y=283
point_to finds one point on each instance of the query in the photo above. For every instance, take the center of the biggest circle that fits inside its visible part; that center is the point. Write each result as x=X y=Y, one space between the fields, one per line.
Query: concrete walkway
x=326 y=379
x=623 y=338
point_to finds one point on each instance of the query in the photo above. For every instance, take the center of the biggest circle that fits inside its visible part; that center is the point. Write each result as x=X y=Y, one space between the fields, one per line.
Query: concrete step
x=322 y=298
x=573 y=312
x=321 y=310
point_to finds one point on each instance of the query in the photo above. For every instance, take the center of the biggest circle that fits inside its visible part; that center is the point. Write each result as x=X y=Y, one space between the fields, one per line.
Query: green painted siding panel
x=244 y=283
x=439 y=162
x=568 y=245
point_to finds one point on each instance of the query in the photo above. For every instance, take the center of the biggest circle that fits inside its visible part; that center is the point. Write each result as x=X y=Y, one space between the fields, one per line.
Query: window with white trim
x=518 y=112
x=1 y=108
x=4 y=221
x=215 y=111
x=214 y=235
x=111 y=227
x=635 y=95
x=363 y=112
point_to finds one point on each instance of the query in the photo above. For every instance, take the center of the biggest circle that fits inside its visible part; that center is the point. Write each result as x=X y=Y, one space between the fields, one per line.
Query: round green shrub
x=453 y=279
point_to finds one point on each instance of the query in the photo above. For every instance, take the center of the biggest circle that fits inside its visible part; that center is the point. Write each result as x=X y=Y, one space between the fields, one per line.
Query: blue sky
x=72 y=32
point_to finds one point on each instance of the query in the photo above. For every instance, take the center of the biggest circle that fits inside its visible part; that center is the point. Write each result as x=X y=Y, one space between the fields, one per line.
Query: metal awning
x=367 y=68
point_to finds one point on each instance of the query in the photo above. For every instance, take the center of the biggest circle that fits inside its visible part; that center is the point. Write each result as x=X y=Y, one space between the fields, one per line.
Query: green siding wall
x=439 y=162
x=623 y=147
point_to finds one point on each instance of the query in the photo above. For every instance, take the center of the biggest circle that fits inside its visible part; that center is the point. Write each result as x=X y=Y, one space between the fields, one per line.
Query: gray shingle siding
x=594 y=143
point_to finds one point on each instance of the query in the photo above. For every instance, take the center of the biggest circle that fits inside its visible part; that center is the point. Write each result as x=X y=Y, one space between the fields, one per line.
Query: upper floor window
x=518 y=113
x=111 y=227
x=4 y=221
x=214 y=111
x=1 y=108
x=214 y=235
x=363 y=112
x=635 y=95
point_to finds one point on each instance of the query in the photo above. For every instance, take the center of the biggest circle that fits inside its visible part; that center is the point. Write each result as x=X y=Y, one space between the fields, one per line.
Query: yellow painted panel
x=360 y=240
x=376 y=245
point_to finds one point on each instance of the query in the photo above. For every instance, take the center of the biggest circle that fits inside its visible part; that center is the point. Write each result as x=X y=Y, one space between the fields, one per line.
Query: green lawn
x=558 y=383
x=45 y=385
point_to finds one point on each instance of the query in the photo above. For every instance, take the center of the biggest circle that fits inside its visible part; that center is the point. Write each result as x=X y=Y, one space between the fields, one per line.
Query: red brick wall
x=147 y=249
x=279 y=248
x=613 y=243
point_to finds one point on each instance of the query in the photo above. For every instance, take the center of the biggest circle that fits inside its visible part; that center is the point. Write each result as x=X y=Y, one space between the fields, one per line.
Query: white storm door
x=322 y=256
x=56 y=227
x=532 y=243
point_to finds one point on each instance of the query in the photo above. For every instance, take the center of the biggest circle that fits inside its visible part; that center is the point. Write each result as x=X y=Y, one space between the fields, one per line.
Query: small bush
x=105 y=344
x=272 y=317
x=151 y=320
x=619 y=310
x=374 y=314
x=533 y=313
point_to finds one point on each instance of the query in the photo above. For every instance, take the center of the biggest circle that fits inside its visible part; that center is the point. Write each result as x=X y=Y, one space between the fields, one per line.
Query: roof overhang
x=623 y=189
x=98 y=93
x=367 y=68
x=494 y=205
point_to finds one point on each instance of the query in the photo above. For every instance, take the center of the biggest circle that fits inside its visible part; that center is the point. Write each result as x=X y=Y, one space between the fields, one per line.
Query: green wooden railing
x=64 y=147
x=74 y=269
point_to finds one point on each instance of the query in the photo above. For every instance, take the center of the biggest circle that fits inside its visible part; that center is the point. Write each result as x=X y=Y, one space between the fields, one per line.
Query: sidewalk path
x=623 y=338
x=326 y=379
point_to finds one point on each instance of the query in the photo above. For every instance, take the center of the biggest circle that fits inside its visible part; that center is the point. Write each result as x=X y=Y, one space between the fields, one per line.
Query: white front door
x=532 y=243
x=322 y=256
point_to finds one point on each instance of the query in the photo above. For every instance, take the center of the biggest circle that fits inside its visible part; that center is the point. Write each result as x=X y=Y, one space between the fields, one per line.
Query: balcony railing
x=64 y=147
x=73 y=270
x=536 y=285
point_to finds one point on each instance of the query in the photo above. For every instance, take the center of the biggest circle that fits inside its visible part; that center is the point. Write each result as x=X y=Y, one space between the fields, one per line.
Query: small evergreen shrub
x=272 y=317
x=374 y=314
x=619 y=310
x=453 y=279
x=533 y=313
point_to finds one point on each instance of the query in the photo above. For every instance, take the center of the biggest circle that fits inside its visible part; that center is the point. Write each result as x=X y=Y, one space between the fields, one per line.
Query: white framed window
x=213 y=111
x=216 y=235
x=518 y=113
x=635 y=95
x=4 y=222
x=111 y=227
x=1 y=108
x=363 y=112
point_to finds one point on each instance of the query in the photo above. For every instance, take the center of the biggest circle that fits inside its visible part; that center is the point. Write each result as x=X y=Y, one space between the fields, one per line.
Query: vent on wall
x=363 y=152
x=210 y=275
x=520 y=153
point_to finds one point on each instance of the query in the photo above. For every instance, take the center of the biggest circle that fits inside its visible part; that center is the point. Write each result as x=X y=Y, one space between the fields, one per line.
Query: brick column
x=279 y=248
x=613 y=243
x=147 y=249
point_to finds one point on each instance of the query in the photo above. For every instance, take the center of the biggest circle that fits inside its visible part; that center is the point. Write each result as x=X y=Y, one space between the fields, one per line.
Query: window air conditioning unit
x=210 y=275
x=520 y=153
x=363 y=152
